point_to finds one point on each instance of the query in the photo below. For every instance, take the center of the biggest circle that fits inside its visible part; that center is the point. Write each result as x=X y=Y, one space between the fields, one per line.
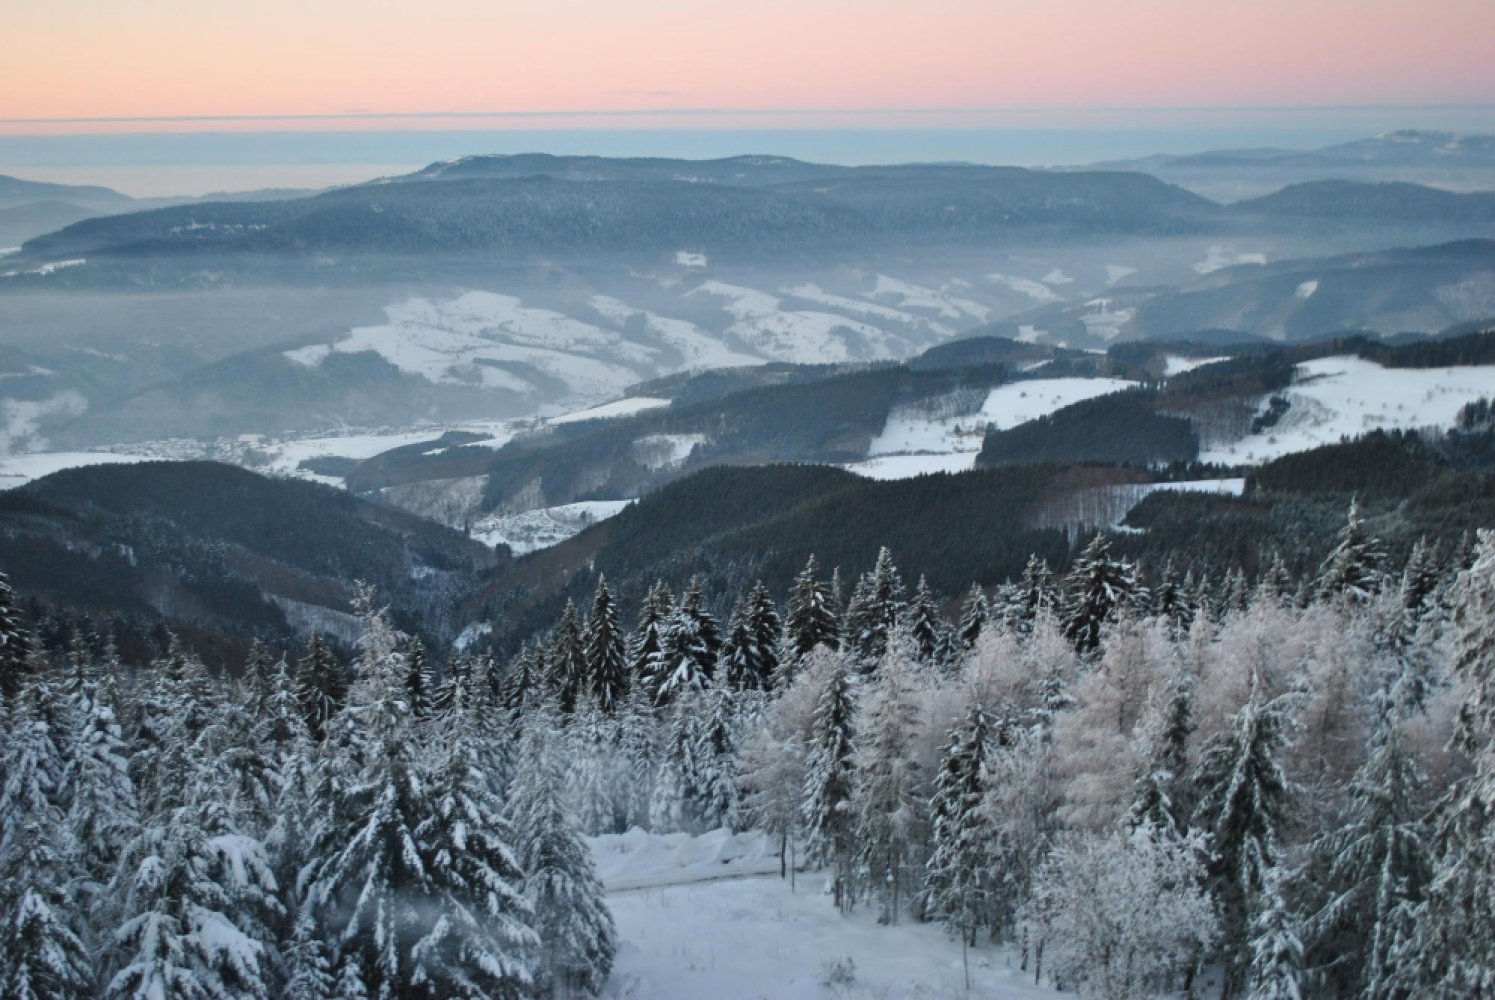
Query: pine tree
x=688 y=650
x=812 y=620
x=1034 y=594
x=960 y=879
x=923 y=623
x=1157 y=790
x=830 y=768
x=44 y=956
x=1378 y=865
x=1276 y=949
x=256 y=679
x=646 y=644
x=576 y=932
x=481 y=943
x=15 y=643
x=420 y=688
x=717 y=768
x=1243 y=805
x=1096 y=587
x=876 y=606
x=1352 y=571
x=889 y=813
x=369 y=867
x=1457 y=922
x=33 y=764
x=767 y=630
x=102 y=810
x=974 y=614
x=322 y=684
x=521 y=682
x=568 y=675
x=607 y=667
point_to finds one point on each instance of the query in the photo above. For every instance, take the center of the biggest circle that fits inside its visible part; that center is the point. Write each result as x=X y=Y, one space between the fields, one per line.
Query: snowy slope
x=18 y=470
x=532 y=530
x=916 y=440
x=1337 y=397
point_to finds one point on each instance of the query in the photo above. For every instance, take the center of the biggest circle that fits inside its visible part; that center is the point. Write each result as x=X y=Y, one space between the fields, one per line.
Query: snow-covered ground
x=625 y=407
x=1174 y=365
x=1337 y=397
x=18 y=470
x=693 y=926
x=761 y=321
x=532 y=530
x=914 y=441
x=1221 y=256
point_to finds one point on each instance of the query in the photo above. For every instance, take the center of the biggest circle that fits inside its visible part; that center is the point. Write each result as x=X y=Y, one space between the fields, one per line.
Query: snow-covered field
x=914 y=442
x=692 y=925
x=532 y=530
x=625 y=407
x=761 y=321
x=1221 y=256
x=18 y=470
x=1174 y=365
x=1337 y=397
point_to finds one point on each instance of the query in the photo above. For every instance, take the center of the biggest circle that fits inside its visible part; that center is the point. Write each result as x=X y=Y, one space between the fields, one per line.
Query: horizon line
x=732 y=112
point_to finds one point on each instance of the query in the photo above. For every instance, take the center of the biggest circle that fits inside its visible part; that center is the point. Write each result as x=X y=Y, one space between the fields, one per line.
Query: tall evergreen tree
x=974 y=614
x=568 y=675
x=1243 y=804
x=923 y=623
x=830 y=768
x=766 y=630
x=889 y=813
x=607 y=666
x=1457 y=921
x=876 y=606
x=15 y=643
x=812 y=620
x=1353 y=570
x=44 y=956
x=576 y=932
x=1276 y=948
x=960 y=878
x=322 y=683
x=1096 y=587
x=646 y=644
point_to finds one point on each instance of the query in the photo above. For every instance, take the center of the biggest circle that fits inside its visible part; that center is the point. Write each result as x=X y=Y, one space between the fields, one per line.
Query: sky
x=85 y=85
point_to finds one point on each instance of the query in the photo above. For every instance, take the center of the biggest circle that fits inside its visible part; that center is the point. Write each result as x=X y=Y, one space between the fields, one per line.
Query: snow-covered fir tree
x=1097 y=585
x=577 y=939
x=922 y=620
x=974 y=612
x=568 y=672
x=830 y=769
x=888 y=781
x=1353 y=571
x=812 y=620
x=877 y=605
x=607 y=666
x=322 y=683
x=960 y=877
x=1276 y=946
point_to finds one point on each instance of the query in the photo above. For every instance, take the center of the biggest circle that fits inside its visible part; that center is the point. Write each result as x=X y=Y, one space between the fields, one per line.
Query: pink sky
x=166 y=58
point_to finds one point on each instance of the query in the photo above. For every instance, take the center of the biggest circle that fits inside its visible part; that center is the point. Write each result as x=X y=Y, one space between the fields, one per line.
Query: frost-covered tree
x=102 y=810
x=960 y=877
x=1033 y=594
x=750 y=660
x=1159 y=789
x=15 y=643
x=974 y=614
x=575 y=929
x=888 y=781
x=1244 y=798
x=1097 y=585
x=1353 y=570
x=1276 y=947
x=877 y=605
x=322 y=683
x=922 y=620
x=645 y=644
x=812 y=619
x=689 y=645
x=607 y=665
x=718 y=790
x=830 y=769
x=1377 y=864
x=44 y=956
x=1122 y=914
x=568 y=674
x=420 y=684
x=1457 y=921
x=480 y=943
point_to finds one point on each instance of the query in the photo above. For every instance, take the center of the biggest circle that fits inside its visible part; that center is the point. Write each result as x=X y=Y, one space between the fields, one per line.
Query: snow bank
x=637 y=859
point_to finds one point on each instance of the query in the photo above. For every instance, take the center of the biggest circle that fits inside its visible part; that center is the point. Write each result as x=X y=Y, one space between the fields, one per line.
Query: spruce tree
x=767 y=630
x=646 y=643
x=960 y=878
x=576 y=932
x=717 y=762
x=1353 y=570
x=1096 y=587
x=923 y=623
x=323 y=685
x=876 y=606
x=974 y=614
x=1243 y=804
x=889 y=813
x=1456 y=923
x=830 y=768
x=812 y=620
x=607 y=667
x=568 y=675
x=44 y=957
x=1276 y=948
x=15 y=643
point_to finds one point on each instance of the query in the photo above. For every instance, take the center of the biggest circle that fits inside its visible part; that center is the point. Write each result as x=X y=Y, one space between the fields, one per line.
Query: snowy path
x=708 y=917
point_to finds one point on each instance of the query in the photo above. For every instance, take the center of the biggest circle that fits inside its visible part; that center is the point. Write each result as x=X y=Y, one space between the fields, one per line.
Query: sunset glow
x=181 y=59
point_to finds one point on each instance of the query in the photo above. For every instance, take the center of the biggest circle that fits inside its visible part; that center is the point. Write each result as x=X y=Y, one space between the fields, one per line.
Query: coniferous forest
x=1276 y=784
